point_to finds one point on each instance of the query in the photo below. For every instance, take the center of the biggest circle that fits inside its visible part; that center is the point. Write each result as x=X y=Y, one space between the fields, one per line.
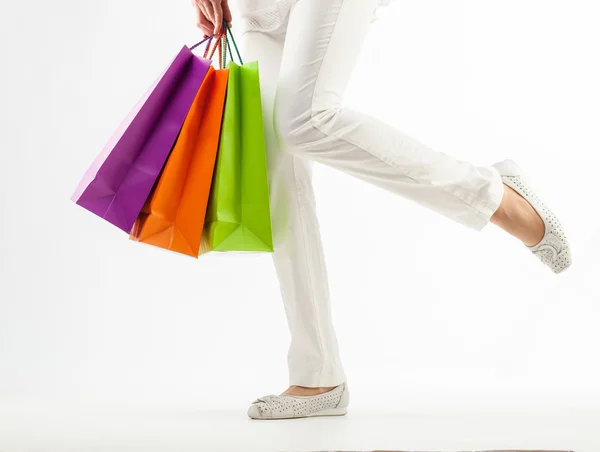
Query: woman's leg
x=324 y=38
x=313 y=357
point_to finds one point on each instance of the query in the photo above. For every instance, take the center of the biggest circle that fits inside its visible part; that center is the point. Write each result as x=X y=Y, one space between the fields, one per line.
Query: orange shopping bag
x=173 y=216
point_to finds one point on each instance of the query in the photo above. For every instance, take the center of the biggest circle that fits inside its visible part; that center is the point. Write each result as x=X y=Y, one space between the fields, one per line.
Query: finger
x=208 y=13
x=205 y=18
x=201 y=6
x=217 y=15
x=227 y=12
x=204 y=24
x=198 y=17
x=207 y=28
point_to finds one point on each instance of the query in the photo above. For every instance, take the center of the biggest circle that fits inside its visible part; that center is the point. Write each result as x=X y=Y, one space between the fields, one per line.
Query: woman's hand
x=211 y=14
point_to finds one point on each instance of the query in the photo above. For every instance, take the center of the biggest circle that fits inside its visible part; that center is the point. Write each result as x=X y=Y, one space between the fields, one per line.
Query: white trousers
x=306 y=51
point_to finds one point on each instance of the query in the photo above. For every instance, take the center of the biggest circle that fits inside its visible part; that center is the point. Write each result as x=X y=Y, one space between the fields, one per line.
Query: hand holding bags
x=173 y=217
x=238 y=217
x=186 y=170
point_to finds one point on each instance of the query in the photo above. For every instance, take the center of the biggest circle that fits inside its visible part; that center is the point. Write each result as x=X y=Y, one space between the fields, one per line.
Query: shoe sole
x=331 y=412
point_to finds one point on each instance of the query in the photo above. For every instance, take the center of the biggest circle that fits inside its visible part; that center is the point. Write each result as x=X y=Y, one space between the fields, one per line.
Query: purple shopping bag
x=117 y=184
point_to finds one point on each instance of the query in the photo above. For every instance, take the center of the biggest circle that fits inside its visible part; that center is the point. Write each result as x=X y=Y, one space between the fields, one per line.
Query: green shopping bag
x=238 y=216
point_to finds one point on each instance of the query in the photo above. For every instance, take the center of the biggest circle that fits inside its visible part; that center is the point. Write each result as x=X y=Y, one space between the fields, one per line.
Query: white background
x=430 y=316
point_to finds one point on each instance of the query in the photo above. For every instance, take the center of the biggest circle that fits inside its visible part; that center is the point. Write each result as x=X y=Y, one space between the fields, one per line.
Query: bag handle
x=208 y=38
x=216 y=45
x=208 y=44
x=222 y=43
x=230 y=37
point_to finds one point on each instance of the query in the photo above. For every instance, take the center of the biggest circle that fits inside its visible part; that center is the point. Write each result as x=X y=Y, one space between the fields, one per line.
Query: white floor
x=42 y=426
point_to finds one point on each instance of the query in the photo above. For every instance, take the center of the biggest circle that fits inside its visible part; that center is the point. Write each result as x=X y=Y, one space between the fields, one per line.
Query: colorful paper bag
x=173 y=217
x=118 y=183
x=238 y=216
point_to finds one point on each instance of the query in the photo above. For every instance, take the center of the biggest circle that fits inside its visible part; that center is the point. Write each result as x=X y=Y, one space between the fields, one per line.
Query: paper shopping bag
x=173 y=216
x=238 y=216
x=118 y=183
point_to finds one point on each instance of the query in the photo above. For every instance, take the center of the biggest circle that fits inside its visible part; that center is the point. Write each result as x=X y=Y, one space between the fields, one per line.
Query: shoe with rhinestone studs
x=331 y=403
x=553 y=250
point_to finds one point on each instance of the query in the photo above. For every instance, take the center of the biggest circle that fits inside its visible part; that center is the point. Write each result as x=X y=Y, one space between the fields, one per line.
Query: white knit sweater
x=271 y=15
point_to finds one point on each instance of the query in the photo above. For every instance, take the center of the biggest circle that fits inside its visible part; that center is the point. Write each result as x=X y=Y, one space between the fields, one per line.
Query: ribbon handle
x=208 y=44
x=230 y=37
x=204 y=40
x=222 y=43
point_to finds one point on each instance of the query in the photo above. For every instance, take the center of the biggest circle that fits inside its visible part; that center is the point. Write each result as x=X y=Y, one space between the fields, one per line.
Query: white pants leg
x=324 y=38
x=322 y=42
x=313 y=358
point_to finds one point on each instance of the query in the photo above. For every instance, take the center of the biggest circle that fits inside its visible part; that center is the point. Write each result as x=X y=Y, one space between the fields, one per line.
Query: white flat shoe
x=553 y=250
x=332 y=403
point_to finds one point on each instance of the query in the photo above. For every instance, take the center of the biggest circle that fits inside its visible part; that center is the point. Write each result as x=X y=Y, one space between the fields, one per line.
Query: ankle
x=295 y=390
x=518 y=217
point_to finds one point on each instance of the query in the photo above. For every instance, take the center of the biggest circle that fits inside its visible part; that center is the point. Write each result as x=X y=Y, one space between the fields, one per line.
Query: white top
x=271 y=15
